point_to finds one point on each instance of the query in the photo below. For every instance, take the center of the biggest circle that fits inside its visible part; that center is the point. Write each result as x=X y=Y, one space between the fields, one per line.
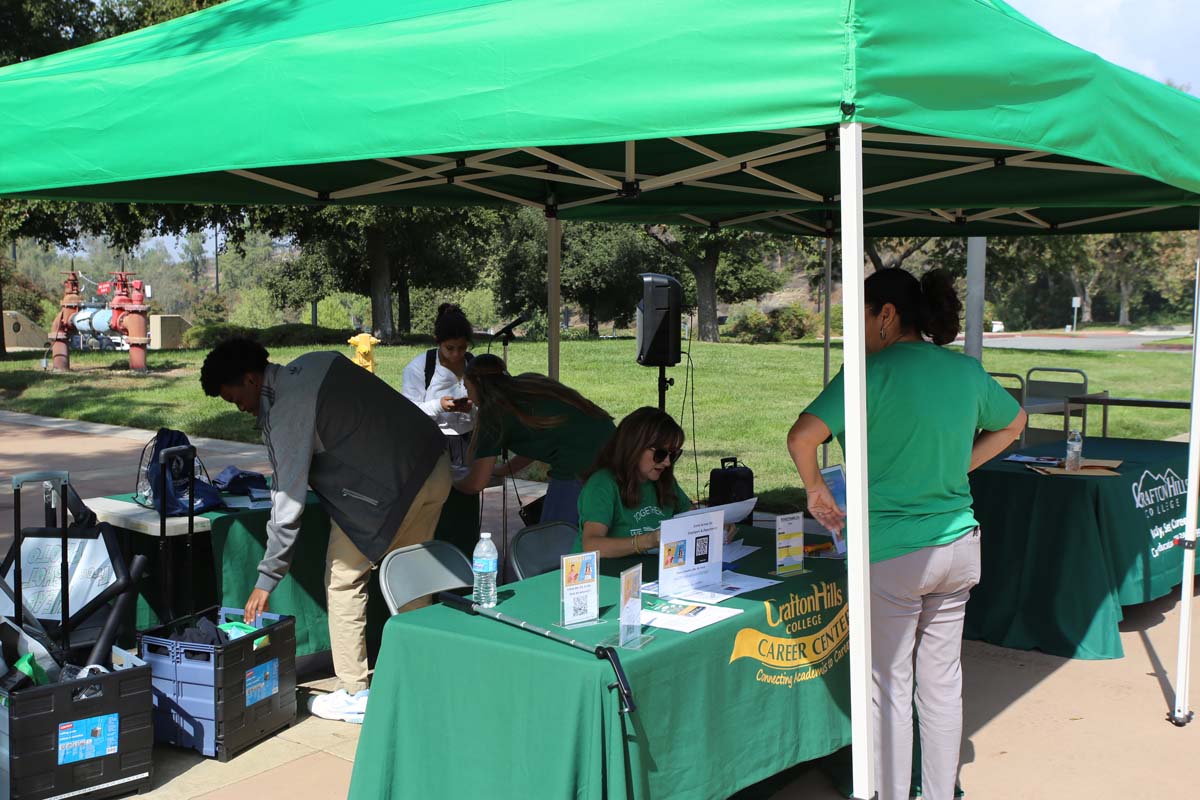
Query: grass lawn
x=746 y=395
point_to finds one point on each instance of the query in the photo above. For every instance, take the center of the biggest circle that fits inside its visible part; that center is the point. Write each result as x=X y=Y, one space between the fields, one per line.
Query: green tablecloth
x=1062 y=554
x=463 y=706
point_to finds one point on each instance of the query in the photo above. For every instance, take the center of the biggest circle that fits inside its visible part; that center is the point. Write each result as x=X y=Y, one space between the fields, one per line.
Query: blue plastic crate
x=221 y=699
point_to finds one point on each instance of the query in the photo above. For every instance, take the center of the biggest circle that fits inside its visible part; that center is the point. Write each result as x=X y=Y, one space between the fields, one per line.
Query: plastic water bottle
x=483 y=564
x=1074 y=451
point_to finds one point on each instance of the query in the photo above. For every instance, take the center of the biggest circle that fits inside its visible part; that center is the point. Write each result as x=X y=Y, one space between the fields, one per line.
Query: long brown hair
x=646 y=427
x=500 y=394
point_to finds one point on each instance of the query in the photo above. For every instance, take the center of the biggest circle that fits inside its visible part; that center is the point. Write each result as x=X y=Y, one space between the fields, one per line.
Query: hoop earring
x=882 y=336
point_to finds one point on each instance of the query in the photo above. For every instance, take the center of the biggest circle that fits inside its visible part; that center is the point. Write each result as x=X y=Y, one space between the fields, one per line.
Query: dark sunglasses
x=662 y=453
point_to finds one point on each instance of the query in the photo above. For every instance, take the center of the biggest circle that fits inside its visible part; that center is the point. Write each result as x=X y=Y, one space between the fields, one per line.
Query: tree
x=380 y=251
x=1132 y=259
x=1029 y=279
x=891 y=252
x=194 y=256
x=601 y=264
x=703 y=252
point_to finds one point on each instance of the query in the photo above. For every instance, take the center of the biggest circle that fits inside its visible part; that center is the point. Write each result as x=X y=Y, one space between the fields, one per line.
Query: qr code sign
x=579 y=606
x=701 y=549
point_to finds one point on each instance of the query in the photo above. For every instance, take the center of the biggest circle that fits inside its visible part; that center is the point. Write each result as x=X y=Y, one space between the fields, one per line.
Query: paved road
x=1117 y=341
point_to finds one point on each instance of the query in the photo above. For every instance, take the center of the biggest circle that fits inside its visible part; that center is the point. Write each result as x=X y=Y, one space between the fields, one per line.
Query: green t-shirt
x=600 y=501
x=924 y=406
x=569 y=448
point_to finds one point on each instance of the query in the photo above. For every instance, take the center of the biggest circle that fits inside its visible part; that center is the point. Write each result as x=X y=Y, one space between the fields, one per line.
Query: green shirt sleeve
x=598 y=499
x=997 y=408
x=830 y=406
x=682 y=501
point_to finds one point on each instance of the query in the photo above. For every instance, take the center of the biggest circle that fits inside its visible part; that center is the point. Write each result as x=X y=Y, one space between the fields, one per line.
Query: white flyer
x=580 y=589
x=683 y=616
x=690 y=553
x=734 y=512
x=732 y=584
x=631 y=606
x=737 y=550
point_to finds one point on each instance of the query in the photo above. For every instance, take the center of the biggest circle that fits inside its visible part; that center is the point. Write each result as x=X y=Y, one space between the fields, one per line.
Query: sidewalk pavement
x=1036 y=726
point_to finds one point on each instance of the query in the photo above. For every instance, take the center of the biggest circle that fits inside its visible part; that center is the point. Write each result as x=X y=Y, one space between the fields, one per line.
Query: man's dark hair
x=230 y=362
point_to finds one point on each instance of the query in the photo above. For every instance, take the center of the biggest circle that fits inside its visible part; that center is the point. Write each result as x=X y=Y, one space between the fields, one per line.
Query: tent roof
x=704 y=111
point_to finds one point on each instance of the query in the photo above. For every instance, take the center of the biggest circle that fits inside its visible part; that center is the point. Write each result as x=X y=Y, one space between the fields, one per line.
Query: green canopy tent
x=824 y=117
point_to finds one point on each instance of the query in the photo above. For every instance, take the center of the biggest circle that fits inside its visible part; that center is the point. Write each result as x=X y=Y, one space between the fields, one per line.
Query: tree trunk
x=1126 y=287
x=381 y=285
x=593 y=325
x=705 y=272
x=1085 y=298
x=403 y=302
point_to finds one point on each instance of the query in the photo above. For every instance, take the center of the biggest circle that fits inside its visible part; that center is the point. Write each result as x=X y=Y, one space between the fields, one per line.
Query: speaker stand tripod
x=664 y=383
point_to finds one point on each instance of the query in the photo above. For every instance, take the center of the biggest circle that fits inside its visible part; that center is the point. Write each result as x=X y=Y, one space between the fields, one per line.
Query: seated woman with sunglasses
x=631 y=488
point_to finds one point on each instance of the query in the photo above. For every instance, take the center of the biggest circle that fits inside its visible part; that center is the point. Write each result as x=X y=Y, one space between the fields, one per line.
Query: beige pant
x=918 y=602
x=347 y=572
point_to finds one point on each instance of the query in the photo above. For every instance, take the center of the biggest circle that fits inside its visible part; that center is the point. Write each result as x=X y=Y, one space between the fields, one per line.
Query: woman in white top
x=434 y=381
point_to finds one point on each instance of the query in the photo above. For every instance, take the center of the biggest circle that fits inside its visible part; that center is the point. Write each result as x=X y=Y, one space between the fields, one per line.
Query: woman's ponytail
x=940 y=307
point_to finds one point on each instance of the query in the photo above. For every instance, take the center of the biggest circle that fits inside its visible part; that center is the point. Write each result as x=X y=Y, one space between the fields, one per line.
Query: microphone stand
x=506 y=335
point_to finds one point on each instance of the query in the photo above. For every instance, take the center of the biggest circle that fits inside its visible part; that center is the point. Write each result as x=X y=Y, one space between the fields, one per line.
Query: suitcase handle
x=729 y=462
x=171 y=452
x=60 y=477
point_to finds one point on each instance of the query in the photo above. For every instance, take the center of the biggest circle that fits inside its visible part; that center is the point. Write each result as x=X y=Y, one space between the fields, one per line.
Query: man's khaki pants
x=347 y=572
x=918 y=601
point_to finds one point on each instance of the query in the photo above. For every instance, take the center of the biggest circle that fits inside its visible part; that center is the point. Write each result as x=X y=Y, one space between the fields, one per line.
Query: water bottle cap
x=485 y=535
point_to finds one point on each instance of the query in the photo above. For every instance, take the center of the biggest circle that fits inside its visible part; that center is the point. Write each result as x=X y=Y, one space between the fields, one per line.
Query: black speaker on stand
x=658 y=319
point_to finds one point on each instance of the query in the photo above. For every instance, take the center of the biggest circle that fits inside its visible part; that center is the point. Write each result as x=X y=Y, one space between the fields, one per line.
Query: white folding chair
x=420 y=569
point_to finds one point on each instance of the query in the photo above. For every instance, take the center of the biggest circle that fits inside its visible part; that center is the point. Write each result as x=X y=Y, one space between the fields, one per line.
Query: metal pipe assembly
x=126 y=314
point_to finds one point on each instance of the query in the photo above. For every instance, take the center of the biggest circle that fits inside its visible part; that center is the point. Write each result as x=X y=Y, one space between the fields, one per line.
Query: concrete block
x=20 y=331
x=166 y=331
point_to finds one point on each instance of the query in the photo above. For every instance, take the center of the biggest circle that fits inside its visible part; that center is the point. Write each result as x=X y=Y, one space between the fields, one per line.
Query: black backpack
x=431 y=364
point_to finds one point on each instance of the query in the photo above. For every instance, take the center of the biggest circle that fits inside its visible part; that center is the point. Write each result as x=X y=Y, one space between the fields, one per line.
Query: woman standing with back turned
x=925 y=405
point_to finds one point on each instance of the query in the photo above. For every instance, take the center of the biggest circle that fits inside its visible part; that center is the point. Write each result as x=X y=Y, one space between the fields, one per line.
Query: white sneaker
x=341 y=705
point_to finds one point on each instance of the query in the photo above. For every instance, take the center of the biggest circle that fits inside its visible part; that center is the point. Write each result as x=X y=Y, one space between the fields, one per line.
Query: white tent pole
x=553 y=292
x=828 y=289
x=858 y=561
x=1181 y=715
x=976 y=259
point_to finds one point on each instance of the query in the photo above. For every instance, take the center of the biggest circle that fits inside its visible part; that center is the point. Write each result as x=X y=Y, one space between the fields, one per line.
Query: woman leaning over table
x=538 y=419
x=925 y=405
x=631 y=488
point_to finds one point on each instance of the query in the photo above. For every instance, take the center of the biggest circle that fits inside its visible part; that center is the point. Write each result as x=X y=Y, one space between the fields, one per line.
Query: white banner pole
x=858 y=559
x=828 y=296
x=1181 y=715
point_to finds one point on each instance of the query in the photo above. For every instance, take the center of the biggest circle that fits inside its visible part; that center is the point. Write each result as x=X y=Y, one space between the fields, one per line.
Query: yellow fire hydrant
x=364 y=350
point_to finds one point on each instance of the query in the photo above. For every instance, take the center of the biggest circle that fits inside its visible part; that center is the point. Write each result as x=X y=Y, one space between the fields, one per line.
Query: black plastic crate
x=221 y=699
x=87 y=738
